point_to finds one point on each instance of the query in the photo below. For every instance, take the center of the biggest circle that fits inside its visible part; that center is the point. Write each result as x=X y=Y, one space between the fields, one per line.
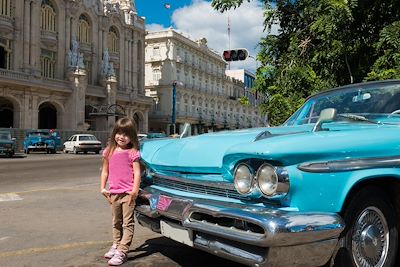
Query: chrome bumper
x=278 y=238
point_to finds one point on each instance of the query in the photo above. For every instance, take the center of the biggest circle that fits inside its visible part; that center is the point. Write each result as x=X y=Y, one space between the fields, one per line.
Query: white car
x=82 y=143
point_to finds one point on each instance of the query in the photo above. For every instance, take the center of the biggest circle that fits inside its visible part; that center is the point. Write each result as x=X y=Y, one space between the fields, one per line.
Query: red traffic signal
x=235 y=54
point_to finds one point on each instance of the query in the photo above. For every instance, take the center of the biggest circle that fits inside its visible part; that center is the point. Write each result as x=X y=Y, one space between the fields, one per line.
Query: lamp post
x=173 y=119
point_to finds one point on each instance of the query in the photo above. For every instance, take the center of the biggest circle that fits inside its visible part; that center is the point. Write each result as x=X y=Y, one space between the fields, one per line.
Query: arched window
x=47 y=63
x=48 y=16
x=5 y=7
x=5 y=53
x=84 y=30
x=113 y=40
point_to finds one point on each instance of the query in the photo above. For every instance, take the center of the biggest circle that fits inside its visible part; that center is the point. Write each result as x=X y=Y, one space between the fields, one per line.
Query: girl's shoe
x=118 y=258
x=111 y=252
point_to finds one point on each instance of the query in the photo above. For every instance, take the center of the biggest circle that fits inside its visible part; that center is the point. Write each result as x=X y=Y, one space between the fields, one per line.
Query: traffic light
x=235 y=54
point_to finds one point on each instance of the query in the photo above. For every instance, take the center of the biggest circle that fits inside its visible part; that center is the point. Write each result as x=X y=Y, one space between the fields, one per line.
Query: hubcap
x=370 y=240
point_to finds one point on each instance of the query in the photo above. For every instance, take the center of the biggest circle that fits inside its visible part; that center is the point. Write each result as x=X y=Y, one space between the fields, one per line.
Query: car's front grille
x=196 y=187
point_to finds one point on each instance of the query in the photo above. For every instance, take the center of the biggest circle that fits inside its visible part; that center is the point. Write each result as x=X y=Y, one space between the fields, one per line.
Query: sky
x=196 y=19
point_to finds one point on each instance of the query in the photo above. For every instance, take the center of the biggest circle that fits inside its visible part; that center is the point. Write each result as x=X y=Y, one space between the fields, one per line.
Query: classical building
x=188 y=84
x=248 y=79
x=71 y=64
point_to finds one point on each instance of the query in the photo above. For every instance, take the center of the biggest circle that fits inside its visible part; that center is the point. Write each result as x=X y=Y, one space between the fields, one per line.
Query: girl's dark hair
x=128 y=127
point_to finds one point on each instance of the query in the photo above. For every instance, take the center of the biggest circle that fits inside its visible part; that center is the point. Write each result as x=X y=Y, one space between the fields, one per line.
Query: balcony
x=85 y=47
x=48 y=38
x=6 y=24
x=25 y=79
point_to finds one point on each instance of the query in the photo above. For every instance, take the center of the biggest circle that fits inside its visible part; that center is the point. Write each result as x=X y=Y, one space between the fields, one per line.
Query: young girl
x=122 y=171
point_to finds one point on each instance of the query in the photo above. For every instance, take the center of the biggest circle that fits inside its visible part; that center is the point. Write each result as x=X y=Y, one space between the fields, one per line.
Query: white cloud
x=246 y=27
x=154 y=27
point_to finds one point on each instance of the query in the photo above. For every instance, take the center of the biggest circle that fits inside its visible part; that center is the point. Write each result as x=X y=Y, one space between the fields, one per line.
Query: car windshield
x=39 y=134
x=377 y=102
x=87 y=138
x=5 y=136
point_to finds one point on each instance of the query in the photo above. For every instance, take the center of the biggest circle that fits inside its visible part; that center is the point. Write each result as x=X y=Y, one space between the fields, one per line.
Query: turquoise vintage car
x=40 y=140
x=322 y=188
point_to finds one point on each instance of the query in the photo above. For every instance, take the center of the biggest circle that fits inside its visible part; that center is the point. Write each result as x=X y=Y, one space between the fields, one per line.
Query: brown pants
x=123 y=221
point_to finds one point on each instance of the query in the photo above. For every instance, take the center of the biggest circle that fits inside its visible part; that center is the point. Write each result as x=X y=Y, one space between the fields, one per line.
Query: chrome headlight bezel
x=241 y=170
x=279 y=175
x=267 y=179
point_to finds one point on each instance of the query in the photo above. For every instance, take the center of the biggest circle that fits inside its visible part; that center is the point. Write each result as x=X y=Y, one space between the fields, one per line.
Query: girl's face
x=122 y=140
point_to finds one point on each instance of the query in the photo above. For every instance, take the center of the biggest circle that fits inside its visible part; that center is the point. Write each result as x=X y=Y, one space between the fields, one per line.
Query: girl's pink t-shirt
x=120 y=170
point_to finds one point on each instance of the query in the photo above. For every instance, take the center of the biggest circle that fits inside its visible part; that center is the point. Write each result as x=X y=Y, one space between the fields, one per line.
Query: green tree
x=321 y=44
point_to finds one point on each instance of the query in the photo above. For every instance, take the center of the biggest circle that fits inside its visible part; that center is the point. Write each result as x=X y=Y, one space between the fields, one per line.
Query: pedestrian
x=121 y=170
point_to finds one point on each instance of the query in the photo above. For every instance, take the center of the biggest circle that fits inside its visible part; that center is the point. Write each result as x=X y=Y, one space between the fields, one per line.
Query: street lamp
x=173 y=117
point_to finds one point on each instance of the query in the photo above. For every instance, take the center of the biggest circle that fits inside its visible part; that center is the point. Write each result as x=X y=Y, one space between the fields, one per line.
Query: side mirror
x=326 y=115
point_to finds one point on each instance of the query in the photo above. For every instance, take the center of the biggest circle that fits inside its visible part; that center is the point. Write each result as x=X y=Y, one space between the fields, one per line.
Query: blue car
x=39 y=140
x=323 y=188
x=7 y=144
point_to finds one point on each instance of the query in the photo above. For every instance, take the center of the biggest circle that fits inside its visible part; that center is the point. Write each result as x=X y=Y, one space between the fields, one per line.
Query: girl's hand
x=132 y=197
x=106 y=194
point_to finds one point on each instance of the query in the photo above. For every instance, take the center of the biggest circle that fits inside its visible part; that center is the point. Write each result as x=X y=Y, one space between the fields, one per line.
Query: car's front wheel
x=371 y=235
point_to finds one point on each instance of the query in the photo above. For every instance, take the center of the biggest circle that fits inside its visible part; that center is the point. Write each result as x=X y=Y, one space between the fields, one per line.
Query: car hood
x=288 y=145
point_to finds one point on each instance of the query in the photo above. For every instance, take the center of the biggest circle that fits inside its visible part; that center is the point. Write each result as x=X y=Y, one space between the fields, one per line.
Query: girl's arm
x=103 y=180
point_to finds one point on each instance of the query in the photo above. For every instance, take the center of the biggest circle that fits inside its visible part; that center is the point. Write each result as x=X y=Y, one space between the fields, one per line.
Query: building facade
x=255 y=98
x=187 y=82
x=71 y=64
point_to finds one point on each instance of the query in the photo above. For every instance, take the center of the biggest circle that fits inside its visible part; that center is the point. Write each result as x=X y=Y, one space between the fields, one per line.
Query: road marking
x=53 y=248
x=75 y=187
x=10 y=197
x=4 y=238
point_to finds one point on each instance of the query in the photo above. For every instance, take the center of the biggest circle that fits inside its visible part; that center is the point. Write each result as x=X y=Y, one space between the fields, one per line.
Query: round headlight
x=267 y=179
x=243 y=179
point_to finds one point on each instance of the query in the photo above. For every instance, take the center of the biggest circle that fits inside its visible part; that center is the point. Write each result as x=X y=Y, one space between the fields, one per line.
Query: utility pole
x=229 y=40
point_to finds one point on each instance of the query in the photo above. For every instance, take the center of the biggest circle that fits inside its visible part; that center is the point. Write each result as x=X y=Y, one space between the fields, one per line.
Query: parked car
x=39 y=140
x=56 y=137
x=324 y=186
x=7 y=144
x=151 y=135
x=82 y=143
x=141 y=136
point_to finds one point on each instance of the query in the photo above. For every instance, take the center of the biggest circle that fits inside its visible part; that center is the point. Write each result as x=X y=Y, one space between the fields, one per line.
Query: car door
x=74 y=142
x=68 y=144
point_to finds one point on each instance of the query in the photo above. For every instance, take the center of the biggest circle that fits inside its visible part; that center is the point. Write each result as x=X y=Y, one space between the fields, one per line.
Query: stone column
x=26 y=34
x=35 y=37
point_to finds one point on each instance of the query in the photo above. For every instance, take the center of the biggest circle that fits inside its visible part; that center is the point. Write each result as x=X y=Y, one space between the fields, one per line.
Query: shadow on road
x=181 y=254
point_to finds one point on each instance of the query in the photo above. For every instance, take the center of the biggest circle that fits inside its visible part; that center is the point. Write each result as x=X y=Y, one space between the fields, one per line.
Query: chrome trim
x=283 y=182
x=253 y=192
x=290 y=238
x=350 y=164
x=281 y=228
x=185 y=179
x=262 y=135
x=222 y=189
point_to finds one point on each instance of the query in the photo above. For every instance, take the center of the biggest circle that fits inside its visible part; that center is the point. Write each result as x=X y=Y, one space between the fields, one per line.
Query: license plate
x=177 y=233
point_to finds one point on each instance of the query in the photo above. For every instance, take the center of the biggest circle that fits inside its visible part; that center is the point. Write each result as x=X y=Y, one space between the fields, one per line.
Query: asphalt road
x=52 y=214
